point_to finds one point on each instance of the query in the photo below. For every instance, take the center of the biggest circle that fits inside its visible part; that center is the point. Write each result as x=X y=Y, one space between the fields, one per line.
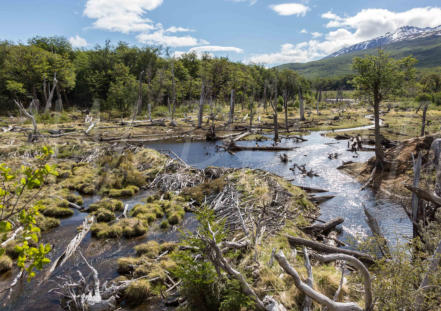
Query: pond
x=313 y=153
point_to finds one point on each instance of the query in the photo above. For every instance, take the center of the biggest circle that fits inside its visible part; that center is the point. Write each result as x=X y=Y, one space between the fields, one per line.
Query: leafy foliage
x=204 y=287
x=16 y=212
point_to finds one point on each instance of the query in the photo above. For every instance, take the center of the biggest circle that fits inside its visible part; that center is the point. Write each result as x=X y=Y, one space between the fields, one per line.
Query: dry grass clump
x=137 y=292
x=149 y=249
x=5 y=263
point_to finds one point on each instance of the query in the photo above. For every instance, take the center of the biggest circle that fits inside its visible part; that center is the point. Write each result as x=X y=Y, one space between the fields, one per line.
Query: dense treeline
x=47 y=74
x=48 y=69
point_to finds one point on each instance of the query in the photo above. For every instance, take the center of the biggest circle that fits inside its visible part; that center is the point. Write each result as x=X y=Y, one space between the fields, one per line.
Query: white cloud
x=78 y=42
x=121 y=15
x=210 y=50
x=127 y=16
x=286 y=9
x=215 y=48
x=316 y=34
x=303 y=31
x=174 y=29
x=159 y=37
x=251 y=2
x=365 y=25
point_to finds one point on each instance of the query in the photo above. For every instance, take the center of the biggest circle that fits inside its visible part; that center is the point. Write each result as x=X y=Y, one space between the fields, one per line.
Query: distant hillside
x=426 y=49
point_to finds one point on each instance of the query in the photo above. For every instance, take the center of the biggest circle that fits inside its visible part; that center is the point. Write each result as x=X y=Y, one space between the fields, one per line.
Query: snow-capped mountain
x=405 y=33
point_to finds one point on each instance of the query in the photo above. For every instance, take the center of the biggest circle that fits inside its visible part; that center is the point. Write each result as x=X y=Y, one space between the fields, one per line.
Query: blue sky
x=261 y=31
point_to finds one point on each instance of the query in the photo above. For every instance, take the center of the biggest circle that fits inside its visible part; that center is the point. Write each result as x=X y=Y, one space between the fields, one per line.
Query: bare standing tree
x=173 y=101
x=32 y=136
x=58 y=101
x=201 y=104
x=138 y=103
x=231 y=117
x=302 y=105
x=48 y=92
x=274 y=106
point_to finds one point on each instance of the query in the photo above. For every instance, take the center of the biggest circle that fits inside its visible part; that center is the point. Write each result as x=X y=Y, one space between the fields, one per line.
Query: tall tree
x=378 y=77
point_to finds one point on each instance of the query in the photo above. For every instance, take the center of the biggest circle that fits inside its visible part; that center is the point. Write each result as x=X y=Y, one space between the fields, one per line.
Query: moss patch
x=106 y=203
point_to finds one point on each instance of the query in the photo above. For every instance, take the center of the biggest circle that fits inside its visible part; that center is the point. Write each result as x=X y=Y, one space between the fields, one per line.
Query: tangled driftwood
x=87 y=293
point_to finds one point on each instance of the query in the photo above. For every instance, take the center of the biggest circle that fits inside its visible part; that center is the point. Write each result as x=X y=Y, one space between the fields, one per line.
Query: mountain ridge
x=424 y=46
x=405 y=33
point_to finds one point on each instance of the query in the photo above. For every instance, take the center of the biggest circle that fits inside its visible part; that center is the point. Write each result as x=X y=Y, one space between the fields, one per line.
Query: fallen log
x=321 y=199
x=378 y=235
x=424 y=194
x=320 y=247
x=233 y=147
x=323 y=228
x=71 y=247
x=310 y=189
x=243 y=135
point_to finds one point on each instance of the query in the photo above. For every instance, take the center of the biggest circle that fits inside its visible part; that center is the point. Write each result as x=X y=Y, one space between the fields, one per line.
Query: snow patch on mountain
x=404 y=33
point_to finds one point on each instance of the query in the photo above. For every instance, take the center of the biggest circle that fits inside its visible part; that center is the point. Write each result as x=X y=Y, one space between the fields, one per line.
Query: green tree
x=378 y=77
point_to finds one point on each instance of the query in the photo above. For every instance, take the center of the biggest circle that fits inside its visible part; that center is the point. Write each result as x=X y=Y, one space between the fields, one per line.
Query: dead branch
x=378 y=235
x=12 y=237
x=71 y=247
x=424 y=194
x=360 y=267
x=233 y=147
x=307 y=303
x=320 y=247
x=323 y=228
x=313 y=294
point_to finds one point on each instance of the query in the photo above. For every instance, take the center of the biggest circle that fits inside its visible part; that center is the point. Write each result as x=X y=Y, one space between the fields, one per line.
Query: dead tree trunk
x=50 y=94
x=138 y=103
x=423 y=121
x=265 y=89
x=173 y=102
x=379 y=155
x=319 y=99
x=33 y=136
x=201 y=105
x=59 y=101
x=275 y=117
x=415 y=200
x=302 y=106
x=285 y=107
x=231 y=118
